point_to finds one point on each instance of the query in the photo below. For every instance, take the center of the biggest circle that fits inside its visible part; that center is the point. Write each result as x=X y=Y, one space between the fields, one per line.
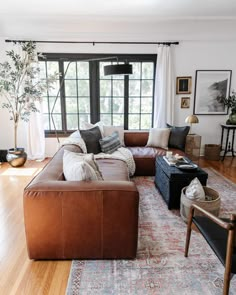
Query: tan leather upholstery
x=144 y=157
x=70 y=219
x=135 y=138
x=113 y=169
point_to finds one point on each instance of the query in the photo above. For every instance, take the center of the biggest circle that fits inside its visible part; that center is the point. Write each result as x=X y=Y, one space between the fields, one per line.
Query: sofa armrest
x=71 y=219
x=80 y=186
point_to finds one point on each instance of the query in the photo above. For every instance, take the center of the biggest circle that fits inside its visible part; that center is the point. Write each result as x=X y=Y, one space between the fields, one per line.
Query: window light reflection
x=20 y=172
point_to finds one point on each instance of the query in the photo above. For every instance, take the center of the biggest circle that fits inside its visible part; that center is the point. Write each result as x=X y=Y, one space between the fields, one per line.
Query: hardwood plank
x=227 y=167
x=18 y=274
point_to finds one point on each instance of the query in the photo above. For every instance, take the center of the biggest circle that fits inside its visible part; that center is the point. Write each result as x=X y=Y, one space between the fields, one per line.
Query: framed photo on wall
x=183 y=85
x=210 y=87
x=185 y=102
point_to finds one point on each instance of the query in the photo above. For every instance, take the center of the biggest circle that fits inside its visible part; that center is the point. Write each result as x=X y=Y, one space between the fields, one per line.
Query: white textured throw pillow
x=80 y=167
x=159 y=137
x=195 y=190
x=108 y=130
x=75 y=138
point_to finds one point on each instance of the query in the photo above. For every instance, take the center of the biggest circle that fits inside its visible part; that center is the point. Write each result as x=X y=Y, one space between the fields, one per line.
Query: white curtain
x=164 y=88
x=35 y=135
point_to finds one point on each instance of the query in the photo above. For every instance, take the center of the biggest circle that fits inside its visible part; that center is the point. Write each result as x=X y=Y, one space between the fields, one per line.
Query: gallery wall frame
x=185 y=102
x=183 y=85
x=210 y=87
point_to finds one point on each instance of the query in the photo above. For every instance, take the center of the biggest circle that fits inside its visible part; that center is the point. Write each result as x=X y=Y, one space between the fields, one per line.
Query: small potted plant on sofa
x=230 y=102
x=21 y=89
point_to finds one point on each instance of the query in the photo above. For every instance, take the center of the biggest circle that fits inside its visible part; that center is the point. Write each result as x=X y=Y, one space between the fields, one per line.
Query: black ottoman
x=170 y=180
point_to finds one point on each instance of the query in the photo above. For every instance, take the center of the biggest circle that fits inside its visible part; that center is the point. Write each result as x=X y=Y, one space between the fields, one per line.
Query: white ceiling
x=77 y=19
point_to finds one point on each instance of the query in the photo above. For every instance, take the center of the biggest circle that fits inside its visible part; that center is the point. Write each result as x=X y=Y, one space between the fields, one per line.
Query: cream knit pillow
x=78 y=166
x=159 y=137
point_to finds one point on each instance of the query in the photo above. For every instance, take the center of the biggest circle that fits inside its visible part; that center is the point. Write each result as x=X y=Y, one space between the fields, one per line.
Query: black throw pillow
x=91 y=138
x=177 y=137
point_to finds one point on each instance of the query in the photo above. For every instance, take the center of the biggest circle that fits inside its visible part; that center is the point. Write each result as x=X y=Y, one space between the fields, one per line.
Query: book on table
x=173 y=161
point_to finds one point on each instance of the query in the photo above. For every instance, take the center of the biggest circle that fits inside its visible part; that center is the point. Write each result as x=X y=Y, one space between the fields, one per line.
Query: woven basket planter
x=212 y=152
x=210 y=206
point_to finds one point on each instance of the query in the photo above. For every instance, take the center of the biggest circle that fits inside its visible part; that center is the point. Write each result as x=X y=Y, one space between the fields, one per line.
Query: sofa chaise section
x=144 y=156
x=81 y=219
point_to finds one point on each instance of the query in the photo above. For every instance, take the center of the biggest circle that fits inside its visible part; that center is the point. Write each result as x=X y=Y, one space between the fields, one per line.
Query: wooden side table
x=229 y=147
x=193 y=146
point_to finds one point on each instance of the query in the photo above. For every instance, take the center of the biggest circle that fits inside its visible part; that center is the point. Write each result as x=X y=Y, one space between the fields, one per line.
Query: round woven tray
x=210 y=206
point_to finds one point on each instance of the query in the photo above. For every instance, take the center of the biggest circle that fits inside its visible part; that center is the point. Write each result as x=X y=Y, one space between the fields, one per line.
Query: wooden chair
x=219 y=234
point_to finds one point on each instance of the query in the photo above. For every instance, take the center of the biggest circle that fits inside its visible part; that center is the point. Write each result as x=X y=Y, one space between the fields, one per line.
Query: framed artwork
x=210 y=87
x=185 y=102
x=183 y=85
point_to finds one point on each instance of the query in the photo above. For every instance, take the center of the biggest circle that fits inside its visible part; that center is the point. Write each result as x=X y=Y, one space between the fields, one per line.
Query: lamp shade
x=192 y=119
x=122 y=69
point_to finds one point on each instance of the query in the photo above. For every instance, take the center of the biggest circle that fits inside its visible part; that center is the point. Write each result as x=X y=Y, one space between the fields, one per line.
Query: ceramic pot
x=16 y=157
x=232 y=118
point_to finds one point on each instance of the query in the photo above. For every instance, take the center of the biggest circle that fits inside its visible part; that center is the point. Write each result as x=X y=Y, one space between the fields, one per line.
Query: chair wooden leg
x=189 y=230
x=227 y=277
x=228 y=263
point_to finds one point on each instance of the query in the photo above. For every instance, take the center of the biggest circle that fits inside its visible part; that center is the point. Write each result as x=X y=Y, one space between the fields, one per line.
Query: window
x=111 y=97
x=77 y=94
x=83 y=93
x=141 y=85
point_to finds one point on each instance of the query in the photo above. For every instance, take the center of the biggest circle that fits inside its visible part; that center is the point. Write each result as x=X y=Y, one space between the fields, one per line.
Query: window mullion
x=140 y=97
x=94 y=91
x=62 y=96
x=126 y=102
x=77 y=94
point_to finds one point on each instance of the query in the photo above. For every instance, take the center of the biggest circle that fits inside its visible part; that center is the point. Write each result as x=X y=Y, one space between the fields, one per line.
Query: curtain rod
x=94 y=42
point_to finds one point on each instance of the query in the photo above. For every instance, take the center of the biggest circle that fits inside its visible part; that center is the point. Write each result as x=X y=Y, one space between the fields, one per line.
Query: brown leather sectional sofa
x=87 y=220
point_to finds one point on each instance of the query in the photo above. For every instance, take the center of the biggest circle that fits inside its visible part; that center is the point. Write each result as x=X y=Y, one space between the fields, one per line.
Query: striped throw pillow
x=111 y=143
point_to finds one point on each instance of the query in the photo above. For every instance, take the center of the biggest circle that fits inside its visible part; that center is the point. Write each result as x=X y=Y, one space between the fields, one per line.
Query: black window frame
x=94 y=77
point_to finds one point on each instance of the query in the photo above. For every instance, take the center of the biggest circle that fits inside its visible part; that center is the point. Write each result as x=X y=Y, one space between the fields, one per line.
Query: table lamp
x=192 y=119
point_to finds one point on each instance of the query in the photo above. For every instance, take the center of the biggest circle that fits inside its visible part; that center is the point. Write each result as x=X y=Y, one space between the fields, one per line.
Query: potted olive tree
x=20 y=90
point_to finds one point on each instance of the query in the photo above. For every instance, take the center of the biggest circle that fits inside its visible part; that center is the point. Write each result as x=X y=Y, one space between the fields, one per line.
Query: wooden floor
x=18 y=274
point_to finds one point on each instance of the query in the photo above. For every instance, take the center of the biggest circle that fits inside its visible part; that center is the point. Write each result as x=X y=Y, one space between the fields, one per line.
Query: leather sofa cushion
x=151 y=152
x=113 y=169
x=135 y=138
x=146 y=152
x=144 y=158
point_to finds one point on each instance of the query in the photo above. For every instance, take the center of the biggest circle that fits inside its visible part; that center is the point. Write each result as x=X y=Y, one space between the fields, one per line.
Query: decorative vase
x=232 y=119
x=16 y=157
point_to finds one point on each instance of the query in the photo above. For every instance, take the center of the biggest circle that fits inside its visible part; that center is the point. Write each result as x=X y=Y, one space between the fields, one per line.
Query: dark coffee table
x=170 y=180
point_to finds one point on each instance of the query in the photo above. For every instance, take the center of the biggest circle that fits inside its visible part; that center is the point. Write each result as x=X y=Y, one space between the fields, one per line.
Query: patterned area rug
x=160 y=267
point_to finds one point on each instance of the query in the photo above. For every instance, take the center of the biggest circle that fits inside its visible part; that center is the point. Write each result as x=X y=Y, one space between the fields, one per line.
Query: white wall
x=189 y=56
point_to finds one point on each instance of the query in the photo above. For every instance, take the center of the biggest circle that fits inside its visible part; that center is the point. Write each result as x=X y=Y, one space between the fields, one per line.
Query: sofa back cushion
x=136 y=138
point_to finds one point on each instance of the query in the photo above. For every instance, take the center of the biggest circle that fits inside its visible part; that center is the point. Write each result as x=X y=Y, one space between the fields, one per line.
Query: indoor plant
x=21 y=88
x=230 y=102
